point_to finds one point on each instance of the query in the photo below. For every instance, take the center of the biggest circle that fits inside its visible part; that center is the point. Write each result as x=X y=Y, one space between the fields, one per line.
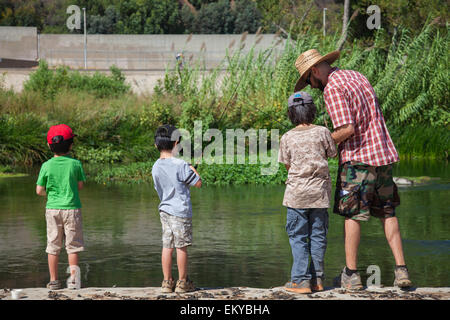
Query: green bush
x=22 y=140
x=49 y=82
x=211 y=174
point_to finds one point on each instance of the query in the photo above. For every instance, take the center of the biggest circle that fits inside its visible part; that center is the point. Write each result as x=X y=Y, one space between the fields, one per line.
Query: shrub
x=50 y=82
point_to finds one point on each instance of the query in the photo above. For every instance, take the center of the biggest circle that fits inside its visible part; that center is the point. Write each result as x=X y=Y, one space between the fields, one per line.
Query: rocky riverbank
x=232 y=293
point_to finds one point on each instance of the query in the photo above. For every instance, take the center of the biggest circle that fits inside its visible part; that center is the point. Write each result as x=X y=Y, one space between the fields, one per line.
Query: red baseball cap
x=59 y=130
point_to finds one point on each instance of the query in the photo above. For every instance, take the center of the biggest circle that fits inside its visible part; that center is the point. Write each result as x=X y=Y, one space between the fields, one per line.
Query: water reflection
x=239 y=236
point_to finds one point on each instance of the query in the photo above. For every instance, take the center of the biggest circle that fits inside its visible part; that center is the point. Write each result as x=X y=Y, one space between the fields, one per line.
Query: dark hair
x=302 y=113
x=60 y=146
x=164 y=137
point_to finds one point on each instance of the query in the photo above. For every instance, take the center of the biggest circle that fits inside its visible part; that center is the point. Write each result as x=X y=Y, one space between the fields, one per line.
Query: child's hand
x=40 y=191
x=198 y=184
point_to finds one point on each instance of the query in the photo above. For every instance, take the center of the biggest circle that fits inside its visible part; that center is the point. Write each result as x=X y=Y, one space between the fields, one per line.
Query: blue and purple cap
x=299 y=98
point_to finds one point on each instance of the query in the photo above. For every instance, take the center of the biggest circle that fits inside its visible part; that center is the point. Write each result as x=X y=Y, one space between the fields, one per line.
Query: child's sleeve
x=81 y=175
x=330 y=145
x=284 y=155
x=42 y=178
x=187 y=175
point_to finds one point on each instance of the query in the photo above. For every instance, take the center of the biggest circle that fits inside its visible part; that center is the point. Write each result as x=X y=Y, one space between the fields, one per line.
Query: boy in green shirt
x=59 y=179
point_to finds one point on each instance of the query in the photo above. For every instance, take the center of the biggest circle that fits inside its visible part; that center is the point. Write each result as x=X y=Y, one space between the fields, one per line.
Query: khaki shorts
x=176 y=231
x=363 y=191
x=64 y=224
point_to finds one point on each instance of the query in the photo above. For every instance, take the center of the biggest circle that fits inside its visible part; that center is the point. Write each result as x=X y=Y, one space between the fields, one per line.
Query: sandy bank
x=232 y=293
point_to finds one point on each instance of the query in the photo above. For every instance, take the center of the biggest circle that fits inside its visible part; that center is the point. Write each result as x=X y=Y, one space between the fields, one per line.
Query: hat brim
x=330 y=58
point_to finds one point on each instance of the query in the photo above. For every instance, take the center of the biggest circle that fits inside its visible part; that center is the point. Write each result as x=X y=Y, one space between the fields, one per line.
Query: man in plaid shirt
x=364 y=186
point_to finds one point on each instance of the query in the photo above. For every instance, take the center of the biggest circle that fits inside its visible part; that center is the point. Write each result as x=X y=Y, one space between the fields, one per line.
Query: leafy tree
x=216 y=17
x=105 y=23
x=149 y=16
x=222 y=17
x=248 y=17
x=163 y=18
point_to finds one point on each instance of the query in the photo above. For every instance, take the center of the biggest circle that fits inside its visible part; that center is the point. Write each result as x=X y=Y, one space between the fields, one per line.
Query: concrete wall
x=146 y=52
x=18 y=43
x=133 y=52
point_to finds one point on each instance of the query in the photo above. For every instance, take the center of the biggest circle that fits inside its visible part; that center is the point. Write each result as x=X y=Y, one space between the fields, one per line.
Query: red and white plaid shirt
x=350 y=99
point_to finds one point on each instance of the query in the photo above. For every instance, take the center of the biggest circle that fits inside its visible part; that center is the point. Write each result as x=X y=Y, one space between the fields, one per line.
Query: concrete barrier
x=18 y=43
x=128 y=51
x=147 y=52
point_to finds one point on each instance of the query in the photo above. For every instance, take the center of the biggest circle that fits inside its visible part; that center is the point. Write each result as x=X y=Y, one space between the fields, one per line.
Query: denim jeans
x=307 y=230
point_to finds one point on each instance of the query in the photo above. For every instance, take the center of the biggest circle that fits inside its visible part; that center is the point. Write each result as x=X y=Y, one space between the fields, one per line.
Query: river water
x=239 y=235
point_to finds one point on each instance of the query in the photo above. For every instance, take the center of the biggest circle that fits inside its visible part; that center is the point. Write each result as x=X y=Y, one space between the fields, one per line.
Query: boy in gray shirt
x=172 y=178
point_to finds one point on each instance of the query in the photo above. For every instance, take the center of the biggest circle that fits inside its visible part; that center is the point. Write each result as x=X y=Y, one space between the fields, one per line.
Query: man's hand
x=40 y=191
x=343 y=133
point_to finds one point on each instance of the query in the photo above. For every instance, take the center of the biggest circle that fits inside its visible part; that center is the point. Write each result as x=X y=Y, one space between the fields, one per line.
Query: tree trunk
x=345 y=18
x=345 y=23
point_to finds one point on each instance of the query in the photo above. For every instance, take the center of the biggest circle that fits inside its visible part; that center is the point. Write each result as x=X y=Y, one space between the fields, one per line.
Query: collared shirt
x=305 y=150
x=350 y=99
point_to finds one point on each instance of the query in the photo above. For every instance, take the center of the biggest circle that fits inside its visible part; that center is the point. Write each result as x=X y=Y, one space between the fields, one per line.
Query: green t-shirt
x=60 y=177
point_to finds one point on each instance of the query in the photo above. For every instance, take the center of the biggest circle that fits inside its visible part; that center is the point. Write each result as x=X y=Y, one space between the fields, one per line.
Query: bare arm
x=80 y=185
x=343 y=133
x=40 y=191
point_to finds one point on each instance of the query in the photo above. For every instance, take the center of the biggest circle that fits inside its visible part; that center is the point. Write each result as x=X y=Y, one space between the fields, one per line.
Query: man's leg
x=392 y=232
x=352 y=238
x=166 y=261
x=350 y=278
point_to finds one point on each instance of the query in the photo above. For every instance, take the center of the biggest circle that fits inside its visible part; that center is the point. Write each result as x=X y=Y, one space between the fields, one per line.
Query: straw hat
x=308 y=59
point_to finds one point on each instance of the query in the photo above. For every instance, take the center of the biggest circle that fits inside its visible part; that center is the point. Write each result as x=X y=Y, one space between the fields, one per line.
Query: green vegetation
x=50 y=82
x=136 y=16
x=224 y=174
x=116 y=127
x=219 y=16
x=8 y=172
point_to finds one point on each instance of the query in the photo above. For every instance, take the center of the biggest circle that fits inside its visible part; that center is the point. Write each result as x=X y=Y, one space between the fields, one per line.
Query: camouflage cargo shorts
x=176 y=231
x=363 y=191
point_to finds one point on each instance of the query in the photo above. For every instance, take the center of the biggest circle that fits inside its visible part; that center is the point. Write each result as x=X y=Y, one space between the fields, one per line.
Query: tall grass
x=409 y=76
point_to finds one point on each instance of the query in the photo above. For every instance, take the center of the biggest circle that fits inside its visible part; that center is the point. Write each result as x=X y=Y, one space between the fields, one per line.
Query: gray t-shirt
x=172 y=178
